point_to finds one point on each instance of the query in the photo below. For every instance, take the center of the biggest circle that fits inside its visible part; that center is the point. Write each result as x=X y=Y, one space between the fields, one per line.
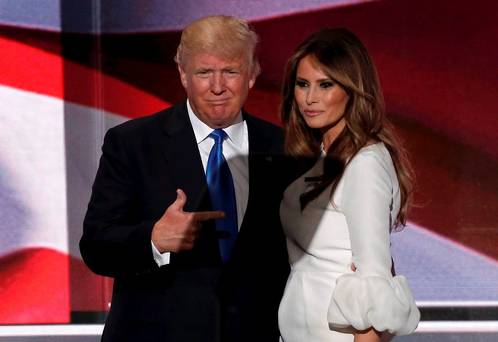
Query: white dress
x=323 y=295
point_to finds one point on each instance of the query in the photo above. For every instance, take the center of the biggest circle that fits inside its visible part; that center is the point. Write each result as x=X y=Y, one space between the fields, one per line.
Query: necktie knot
x=218 y=135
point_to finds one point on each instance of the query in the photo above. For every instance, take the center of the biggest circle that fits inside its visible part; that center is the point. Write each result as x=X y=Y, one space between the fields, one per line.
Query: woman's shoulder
x=371 y=165
x=372 y=156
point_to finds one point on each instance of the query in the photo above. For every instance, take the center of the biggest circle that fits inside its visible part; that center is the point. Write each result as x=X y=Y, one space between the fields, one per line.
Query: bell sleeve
x=371 y=297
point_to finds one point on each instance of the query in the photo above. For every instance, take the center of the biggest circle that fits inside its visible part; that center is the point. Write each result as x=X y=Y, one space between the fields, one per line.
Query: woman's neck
x=329 y=136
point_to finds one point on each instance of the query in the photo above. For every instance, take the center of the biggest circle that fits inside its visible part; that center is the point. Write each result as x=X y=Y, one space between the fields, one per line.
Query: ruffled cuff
x=372 y=301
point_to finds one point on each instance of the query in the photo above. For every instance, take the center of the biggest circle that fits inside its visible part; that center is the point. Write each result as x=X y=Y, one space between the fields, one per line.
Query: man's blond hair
x=221 y=35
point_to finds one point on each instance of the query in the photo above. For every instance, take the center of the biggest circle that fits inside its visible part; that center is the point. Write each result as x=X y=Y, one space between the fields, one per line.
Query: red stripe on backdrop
x=89 y=292
x=34 y=286
x=32 y=69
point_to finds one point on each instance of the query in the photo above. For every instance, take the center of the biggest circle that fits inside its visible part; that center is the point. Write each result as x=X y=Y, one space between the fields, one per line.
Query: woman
x=338 y=215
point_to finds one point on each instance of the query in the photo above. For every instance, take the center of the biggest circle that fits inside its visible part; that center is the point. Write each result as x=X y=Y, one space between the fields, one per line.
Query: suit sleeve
x=114 y=241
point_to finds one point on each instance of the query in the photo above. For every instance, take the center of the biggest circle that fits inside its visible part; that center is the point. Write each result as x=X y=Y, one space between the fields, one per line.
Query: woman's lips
x=312 y=112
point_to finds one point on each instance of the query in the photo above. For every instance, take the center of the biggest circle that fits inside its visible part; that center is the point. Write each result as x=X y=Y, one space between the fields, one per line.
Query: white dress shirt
x=235 y=151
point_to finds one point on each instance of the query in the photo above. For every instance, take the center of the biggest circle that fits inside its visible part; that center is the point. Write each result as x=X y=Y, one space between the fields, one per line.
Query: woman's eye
x=301 y=84
x=326 y=85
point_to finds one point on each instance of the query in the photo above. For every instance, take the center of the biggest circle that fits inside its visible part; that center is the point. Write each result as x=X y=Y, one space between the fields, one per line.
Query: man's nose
x=218 y=83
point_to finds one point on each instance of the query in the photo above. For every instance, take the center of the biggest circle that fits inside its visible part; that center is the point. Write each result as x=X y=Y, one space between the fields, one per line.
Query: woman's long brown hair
x=346 y=61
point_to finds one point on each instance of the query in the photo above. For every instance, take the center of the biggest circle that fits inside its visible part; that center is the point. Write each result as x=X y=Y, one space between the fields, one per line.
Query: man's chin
x=222 y=119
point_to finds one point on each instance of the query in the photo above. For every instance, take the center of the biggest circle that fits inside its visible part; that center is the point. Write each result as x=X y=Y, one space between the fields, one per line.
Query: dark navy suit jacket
x=195 y=297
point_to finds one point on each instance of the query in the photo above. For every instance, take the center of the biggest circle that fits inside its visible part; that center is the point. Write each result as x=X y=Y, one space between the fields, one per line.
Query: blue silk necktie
x=222 y=192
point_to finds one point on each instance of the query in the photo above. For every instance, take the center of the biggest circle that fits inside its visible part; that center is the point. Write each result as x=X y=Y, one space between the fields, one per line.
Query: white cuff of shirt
x=161 y=259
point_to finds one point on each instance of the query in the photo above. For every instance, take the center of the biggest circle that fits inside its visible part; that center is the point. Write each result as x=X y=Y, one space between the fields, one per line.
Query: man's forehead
x=215 y=60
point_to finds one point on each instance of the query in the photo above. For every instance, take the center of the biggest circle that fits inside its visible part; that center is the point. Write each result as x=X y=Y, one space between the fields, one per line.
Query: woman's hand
x=369 y=335
x=372 y=335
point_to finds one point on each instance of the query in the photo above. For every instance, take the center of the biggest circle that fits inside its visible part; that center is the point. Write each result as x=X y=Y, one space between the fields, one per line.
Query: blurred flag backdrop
x=69 y=70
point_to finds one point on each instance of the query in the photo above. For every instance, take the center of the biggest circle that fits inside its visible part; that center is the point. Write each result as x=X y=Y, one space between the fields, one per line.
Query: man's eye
x=301 y=84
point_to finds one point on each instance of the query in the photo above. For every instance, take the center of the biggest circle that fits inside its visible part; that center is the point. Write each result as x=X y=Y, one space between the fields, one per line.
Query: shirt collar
x=235 y=132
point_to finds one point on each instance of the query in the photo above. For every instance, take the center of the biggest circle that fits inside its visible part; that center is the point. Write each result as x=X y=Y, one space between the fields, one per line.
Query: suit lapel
x=184 y=163
x=257 y=137
x=184 y=166
x=258 y=157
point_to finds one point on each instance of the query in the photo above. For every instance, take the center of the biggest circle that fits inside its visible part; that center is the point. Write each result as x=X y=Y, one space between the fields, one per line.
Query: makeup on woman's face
x=320 y=99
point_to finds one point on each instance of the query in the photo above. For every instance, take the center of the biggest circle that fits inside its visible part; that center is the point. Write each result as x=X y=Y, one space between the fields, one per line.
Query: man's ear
x=252 y=80
x=183 y=75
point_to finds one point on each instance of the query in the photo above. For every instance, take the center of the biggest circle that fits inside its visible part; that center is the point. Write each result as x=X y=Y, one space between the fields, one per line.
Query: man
x=191 y=260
